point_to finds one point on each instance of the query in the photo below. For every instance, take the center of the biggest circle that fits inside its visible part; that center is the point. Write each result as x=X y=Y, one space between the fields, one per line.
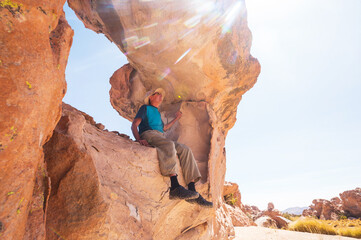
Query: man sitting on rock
x=151 y=133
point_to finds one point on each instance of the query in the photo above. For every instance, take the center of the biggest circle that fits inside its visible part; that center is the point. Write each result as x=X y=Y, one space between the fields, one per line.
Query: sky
x=298 y=130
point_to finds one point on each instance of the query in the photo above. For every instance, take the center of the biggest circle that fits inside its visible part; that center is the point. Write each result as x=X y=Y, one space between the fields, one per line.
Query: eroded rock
x=35 y=40
x=351 y=202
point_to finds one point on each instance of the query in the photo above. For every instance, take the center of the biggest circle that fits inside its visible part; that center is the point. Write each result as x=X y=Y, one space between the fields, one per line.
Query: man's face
x=156 y=98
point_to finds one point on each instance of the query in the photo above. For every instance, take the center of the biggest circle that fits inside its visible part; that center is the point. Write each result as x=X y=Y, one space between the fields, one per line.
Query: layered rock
x=35 y=40
x=105 y=186
x=199 y=52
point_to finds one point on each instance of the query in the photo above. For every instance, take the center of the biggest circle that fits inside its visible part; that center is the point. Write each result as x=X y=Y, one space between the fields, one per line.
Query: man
x=151 y=133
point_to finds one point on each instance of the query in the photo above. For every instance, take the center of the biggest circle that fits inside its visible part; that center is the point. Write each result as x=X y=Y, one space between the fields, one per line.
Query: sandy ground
x=260 y=233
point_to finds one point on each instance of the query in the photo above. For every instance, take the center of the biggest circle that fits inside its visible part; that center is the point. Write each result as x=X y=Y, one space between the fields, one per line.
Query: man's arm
x=135 y=132
x=178 y=115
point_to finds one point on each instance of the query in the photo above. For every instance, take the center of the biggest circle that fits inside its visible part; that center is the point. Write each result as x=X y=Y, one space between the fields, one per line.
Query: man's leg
x=188 y=163
x=168 y=163
x=190 y=172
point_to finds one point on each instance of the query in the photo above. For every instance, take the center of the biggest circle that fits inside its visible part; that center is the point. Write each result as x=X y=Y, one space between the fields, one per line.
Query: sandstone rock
x=270 y=207
x=239 y=218
x=231 y=192
x=266 y=221
x=35 y=40
x=271 y=213
x=351 y=202
x=104 y=186
x=252 y=211
x=199 y=52
x=280 y=221
x=234 y=206
x=324 y=209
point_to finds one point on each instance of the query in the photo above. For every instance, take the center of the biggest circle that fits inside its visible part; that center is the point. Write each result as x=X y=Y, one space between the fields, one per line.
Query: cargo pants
x=168 y=151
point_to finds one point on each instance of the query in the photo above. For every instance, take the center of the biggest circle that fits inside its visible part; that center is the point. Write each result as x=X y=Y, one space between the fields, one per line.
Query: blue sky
x=298 y=133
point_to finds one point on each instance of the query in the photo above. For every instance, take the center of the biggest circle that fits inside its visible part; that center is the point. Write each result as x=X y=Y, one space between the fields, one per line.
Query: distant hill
x=295 y=210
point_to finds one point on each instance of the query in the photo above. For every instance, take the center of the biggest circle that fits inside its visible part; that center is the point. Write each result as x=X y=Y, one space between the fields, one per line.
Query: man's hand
x=143 y=142
x=178 y=115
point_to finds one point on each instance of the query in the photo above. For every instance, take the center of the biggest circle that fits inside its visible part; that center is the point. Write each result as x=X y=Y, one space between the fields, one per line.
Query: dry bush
x=344 y=227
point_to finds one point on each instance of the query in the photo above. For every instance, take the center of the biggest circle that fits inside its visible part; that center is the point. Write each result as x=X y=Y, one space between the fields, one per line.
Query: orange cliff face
x=35 y=40
x=199 y=52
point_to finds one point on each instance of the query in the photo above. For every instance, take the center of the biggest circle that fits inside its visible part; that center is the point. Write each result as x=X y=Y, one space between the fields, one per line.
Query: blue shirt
x=151 y=119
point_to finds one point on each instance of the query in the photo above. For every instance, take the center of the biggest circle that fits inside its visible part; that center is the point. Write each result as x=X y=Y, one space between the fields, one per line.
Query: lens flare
x=183 y=55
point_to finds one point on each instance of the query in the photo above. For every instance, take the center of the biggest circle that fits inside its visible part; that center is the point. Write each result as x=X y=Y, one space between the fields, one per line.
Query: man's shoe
x=182 y=193
x=201 y=201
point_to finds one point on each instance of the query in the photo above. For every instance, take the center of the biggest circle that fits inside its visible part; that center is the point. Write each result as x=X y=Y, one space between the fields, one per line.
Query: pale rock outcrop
x=266 y=221
x=104 y=186
x=35 y=40
x=351 y=202
x=199 y=53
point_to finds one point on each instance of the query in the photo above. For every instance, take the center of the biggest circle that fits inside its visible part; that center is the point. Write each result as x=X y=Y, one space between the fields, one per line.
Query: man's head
x=155 y=98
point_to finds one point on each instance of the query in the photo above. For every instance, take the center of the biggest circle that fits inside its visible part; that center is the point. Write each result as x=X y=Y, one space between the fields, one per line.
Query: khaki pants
x=167 y=155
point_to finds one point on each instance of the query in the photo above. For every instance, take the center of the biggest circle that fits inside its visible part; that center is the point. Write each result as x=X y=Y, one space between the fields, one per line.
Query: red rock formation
x=349 y=205
x=199 y=52
x=351 y=202
x=324 y=209
x=35 y=40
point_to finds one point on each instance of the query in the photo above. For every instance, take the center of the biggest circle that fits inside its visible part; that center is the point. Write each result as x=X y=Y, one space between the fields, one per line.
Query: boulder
x=266 y=221
x=35 y=40
x=232 y=194
x=270 y=207
x=324 y=209
x=351 y=202
x=234 y=206
x=252 y=211
x=104 y=186
x=239 y=218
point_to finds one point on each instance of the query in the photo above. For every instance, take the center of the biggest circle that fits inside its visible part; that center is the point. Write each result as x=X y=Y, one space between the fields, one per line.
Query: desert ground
x=261 y=233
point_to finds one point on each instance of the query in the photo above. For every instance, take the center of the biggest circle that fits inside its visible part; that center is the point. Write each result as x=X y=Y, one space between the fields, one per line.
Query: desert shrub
x=354 y=232
x=291 y=217
x=312 y=226
x=230 y=199
x=344 y=227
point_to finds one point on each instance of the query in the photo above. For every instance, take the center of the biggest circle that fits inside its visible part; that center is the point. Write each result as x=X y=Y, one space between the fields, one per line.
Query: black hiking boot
x=182 y=193
x=201 y=201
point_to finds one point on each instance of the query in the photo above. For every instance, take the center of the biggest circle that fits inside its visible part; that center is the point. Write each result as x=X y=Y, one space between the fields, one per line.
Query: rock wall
x=35 y=40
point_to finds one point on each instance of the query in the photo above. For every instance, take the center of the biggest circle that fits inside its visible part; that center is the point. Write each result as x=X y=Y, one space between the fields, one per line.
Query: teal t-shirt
x=151 y=119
